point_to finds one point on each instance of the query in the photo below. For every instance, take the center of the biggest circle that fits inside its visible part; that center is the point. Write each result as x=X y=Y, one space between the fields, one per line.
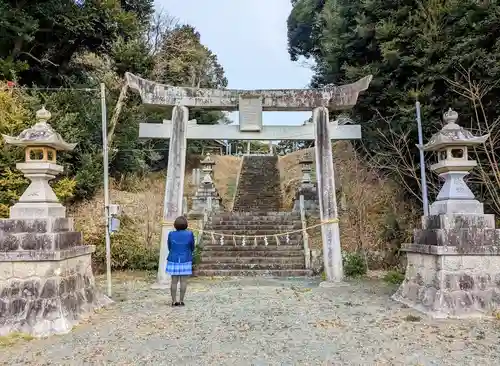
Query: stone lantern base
x=310 y=193
x=46 y=280
x=201 y=199
x=453 y=267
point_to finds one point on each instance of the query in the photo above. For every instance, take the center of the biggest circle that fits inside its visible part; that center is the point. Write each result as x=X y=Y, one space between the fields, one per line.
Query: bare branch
x=161 y=26
x=396 y=158
x=487 y=173
x=43 y=60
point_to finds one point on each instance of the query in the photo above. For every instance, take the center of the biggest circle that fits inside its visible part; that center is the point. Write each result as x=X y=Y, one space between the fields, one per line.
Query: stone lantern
x=46 y=277
x=206 y=198
x=454 y=260
x=307 y=188
x=40 y=144
x=451 y=145
x=306 y=168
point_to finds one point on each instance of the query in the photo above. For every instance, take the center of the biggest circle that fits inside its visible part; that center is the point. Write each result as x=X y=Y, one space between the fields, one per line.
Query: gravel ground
x=262 y=322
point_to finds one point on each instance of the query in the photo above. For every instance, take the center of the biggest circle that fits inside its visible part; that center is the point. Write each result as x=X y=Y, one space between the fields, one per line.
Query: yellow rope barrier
x=331 y=221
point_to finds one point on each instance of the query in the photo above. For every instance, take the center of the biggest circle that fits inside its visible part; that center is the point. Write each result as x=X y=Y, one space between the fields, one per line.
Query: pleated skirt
x=179 y=269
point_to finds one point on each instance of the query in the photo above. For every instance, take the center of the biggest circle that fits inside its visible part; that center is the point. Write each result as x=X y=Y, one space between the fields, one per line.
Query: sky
x=250 y=41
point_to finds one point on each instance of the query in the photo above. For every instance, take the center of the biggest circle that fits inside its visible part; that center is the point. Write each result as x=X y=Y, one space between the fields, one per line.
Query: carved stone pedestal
x=46 y=280
x=205 y=199
x=453 y=267
x=311 y=203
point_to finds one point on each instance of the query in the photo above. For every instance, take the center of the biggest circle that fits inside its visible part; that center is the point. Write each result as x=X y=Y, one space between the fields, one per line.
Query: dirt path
x=262 y=322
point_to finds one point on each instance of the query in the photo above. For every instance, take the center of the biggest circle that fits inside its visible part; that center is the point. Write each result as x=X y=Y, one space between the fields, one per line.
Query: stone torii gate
x=251 y=104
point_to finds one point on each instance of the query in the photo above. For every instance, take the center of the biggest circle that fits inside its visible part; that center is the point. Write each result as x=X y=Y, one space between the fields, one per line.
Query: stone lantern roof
x=453 y=135
x=306 y=159
x=40 y=134
x=208 y=160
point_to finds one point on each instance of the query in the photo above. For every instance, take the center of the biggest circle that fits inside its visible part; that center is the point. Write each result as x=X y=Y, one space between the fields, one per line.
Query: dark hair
x=181 y=223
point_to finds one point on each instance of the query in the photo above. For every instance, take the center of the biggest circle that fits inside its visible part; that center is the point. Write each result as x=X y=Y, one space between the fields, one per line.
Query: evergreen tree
x=413 y=49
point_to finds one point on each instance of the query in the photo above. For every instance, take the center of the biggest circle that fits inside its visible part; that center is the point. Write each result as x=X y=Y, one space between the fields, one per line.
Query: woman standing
x=180 y=258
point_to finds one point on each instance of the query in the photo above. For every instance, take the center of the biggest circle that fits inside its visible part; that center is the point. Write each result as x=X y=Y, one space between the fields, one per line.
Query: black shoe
x=182 y=303
x=175 y=304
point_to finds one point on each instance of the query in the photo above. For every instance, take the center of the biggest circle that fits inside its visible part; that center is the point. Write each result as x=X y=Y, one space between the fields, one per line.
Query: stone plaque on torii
x=251 y=104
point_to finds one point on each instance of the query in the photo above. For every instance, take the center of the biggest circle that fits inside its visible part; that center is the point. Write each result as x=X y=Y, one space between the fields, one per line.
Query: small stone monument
x=196 y=177
x=206 y=197
x=46 y=279
x=307 y=188
x=453 y=265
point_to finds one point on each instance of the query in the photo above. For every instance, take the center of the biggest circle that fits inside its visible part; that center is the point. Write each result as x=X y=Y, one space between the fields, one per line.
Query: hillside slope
x=372 y=215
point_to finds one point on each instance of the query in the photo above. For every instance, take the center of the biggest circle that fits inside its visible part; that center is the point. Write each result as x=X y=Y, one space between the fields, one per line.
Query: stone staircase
x=255 y=257
x=255 y=212
x=259 y=185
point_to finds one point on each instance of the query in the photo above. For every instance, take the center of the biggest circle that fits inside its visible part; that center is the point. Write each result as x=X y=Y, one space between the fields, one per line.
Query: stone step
x=258 y=185
x=251 y=235
x=255 y=215
x=255 y=272
x=238 y=241
x=243 y=228
x=254 y=183
x=253 y=266
x=253 y=186
x=238 y=230
x=255 y=189
x=260 y=223
x=256 y=224
x=258 y=213
x=254 y=260
x=255 y=253
x=256 y=204
x=249 y=248
x=256 y=219
x=265 y=197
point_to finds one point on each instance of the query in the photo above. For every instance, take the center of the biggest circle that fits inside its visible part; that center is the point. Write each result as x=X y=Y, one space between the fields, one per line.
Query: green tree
x=40 y=39
x=183 y=61
x=78 y=44
x=412 y=48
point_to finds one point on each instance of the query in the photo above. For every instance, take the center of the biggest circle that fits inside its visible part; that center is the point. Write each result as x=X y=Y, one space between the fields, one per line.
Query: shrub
x=394 y=277
x=354 y=265
x=129 y=250
x=197 y=255
x=12 y=184
x=14 y=117
x=64 y=189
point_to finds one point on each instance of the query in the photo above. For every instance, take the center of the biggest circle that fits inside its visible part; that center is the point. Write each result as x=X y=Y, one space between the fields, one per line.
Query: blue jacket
x=180 y=246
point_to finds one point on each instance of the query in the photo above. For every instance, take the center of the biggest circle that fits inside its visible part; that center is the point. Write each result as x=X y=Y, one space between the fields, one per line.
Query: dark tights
x=173 y=287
